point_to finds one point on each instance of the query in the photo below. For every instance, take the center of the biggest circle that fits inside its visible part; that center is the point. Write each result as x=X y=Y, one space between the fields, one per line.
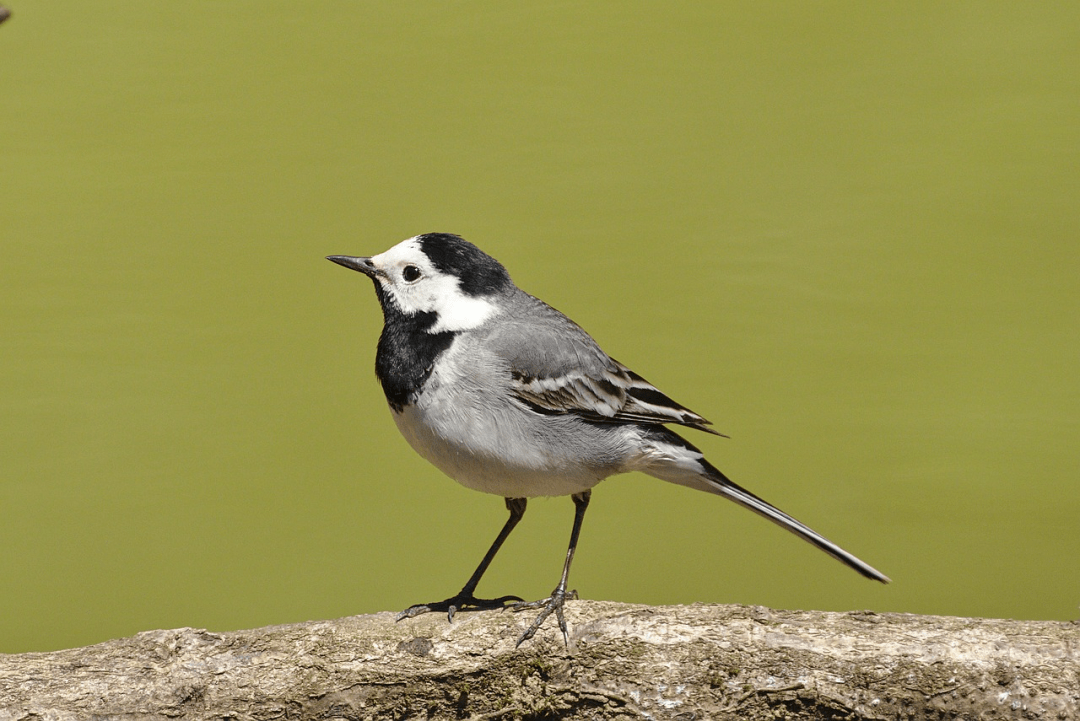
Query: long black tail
x=725 y=487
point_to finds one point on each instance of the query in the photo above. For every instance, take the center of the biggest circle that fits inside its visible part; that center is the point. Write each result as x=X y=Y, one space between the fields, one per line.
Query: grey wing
x=557 y=368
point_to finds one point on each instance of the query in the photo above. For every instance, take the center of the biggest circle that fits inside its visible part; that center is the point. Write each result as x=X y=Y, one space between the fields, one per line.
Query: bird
x=506 y=395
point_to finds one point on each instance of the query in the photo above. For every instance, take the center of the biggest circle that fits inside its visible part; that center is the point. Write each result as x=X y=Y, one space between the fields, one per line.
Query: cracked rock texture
x=624 y=662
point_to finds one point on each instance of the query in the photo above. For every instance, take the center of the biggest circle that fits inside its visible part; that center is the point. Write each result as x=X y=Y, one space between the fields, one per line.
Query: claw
x=465 y=601
x=460 y=602
x=552 y=604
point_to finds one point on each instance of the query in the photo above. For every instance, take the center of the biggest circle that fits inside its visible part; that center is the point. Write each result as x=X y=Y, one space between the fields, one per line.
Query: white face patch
x=417 y=286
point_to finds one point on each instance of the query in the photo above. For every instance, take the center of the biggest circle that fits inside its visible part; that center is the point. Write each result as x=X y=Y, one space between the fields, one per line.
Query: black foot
x=460 y=602
x=553 y=603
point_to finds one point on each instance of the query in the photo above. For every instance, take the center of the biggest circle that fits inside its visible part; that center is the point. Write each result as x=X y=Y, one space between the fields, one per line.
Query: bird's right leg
x=464 y=600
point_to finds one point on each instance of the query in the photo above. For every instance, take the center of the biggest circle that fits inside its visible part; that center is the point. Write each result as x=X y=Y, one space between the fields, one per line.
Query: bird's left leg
x=465 y=600
x=554 y=602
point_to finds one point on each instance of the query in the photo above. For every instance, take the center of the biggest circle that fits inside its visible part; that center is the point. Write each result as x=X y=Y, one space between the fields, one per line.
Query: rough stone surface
x=624 y=662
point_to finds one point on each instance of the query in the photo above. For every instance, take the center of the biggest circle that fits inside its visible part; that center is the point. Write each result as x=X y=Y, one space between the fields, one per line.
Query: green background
x=847 y=233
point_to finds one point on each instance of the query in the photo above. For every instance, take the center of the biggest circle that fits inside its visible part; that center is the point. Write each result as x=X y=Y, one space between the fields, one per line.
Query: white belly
x=487 y=450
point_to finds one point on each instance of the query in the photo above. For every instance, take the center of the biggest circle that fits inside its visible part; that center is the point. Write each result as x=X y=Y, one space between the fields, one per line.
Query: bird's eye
x=410 y=273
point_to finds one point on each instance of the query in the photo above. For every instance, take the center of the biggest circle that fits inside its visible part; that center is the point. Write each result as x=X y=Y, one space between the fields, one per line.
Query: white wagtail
x=507 y=395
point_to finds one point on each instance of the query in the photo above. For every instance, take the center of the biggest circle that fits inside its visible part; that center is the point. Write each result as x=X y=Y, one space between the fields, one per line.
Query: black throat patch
x=406 y=351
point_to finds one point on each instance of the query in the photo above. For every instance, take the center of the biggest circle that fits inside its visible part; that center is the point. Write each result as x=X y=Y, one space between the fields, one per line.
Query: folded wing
x=557 y=368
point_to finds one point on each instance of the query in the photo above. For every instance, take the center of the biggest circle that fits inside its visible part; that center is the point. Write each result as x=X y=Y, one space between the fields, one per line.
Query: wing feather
x=557 y=368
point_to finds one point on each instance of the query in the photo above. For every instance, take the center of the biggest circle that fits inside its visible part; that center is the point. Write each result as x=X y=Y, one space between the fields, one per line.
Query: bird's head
x=442 y=276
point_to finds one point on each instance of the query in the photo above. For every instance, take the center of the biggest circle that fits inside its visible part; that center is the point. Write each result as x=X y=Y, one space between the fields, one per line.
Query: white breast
x=484 y=440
